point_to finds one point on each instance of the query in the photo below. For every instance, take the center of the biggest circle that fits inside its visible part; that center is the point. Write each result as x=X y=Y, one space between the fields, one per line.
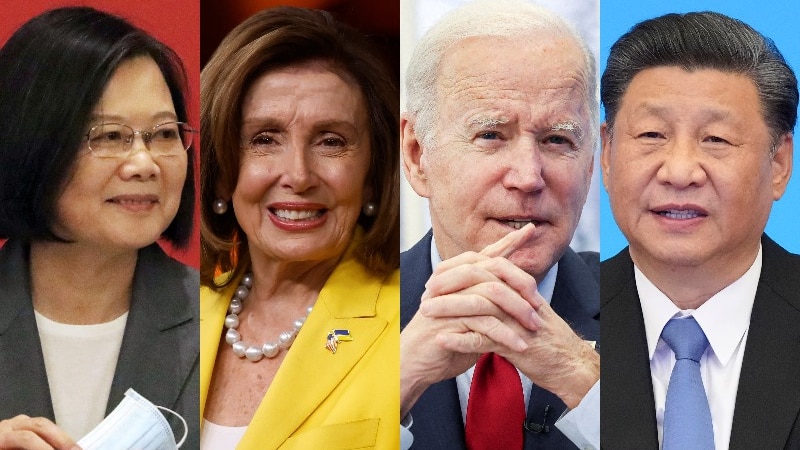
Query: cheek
x=253 y=181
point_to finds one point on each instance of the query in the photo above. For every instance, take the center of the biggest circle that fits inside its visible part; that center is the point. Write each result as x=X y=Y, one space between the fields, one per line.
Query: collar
x=545 y=288
x=724 y=318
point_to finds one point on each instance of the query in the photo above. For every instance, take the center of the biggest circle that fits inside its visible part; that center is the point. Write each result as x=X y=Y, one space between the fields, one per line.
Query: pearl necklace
x=234 y=338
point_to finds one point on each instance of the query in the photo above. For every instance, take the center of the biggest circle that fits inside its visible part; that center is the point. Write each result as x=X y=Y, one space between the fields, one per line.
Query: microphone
x=538 y=428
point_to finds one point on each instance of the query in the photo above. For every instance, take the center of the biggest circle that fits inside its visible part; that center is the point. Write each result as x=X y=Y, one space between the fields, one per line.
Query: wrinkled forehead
x=548 y=73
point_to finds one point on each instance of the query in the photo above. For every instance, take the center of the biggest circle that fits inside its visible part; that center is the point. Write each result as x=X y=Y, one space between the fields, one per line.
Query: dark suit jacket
x=767 y=411
x=437 y=413
x=160 y=350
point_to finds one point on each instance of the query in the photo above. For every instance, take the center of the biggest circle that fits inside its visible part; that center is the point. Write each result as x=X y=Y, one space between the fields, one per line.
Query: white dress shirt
x=580 y=425
x=725 y=319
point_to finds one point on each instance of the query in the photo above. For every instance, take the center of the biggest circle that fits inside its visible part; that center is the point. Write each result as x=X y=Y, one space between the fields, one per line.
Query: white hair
x=485 y=18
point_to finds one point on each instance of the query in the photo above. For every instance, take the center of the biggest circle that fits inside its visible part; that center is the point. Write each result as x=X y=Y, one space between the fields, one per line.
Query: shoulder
x=780 y=270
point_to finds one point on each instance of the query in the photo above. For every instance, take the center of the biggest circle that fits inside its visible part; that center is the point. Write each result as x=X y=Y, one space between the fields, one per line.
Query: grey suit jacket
x=767 y=410
x=159 y=357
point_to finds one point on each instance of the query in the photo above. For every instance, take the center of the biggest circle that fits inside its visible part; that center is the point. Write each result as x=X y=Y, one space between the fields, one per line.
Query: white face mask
x=134 y=424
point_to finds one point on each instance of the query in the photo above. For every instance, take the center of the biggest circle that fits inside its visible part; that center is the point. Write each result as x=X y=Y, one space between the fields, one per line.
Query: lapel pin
x=336 y=336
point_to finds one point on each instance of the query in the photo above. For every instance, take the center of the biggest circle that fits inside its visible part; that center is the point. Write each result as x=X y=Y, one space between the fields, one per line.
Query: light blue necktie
x=687 y=418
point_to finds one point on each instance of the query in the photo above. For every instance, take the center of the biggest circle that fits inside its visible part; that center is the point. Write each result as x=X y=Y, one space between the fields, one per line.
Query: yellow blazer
x=319 y=400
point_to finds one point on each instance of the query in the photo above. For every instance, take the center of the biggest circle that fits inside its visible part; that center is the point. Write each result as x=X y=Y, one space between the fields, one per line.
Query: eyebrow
x=661 y=111
x=488 y=122
x=569 y=125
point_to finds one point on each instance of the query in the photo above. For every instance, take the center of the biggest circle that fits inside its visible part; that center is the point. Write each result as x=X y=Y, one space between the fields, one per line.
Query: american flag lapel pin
x=336 y=336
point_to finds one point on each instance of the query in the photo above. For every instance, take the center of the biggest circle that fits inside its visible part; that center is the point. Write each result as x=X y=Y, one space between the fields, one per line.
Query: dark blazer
x=767 y=411
x=437 y=413
x=160 y=350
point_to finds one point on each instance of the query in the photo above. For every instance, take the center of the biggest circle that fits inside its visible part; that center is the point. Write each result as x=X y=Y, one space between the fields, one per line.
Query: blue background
x=772 y=20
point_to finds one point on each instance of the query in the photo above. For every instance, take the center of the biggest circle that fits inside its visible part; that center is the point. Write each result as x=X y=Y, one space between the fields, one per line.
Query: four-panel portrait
x=394 y=225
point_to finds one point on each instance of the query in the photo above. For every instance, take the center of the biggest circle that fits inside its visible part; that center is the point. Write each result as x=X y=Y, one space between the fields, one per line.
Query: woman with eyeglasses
x=95 y=167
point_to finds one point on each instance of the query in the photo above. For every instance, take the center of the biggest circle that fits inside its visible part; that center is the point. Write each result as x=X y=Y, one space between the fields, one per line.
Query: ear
x=605 y=150
x=414 y=157
x=782 y=165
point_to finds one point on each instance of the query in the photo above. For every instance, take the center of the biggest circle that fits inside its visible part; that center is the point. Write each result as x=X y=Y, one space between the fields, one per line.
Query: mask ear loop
x=185 y=426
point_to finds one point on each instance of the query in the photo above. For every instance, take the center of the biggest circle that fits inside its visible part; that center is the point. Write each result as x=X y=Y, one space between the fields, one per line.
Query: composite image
x=395 y=225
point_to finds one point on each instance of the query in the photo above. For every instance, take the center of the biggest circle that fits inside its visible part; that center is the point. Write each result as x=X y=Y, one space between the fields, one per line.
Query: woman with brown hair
x=300 y=232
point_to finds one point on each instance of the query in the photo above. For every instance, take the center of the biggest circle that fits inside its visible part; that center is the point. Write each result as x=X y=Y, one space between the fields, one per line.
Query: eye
x=716 y=140
x=262 y=139
x=333 y=142
x=166 y=132
x=651 y=135
x=489 y=135
x=558 y=140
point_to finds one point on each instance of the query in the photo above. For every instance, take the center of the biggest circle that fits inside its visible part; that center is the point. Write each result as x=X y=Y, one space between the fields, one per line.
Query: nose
x=524 y=167
x=139 y=164
x=297 y=172
x=682 y=165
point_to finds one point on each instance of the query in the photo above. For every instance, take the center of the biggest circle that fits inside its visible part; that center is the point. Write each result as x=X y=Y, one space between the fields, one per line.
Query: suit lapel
x=437 y=414
x=626 y=423
x=770 y=369
x=348 y=301
x=160 y=345
x=23 y=379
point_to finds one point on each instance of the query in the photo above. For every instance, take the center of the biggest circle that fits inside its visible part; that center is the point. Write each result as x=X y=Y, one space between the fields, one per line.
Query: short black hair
x=704 y=40
x=53 y=71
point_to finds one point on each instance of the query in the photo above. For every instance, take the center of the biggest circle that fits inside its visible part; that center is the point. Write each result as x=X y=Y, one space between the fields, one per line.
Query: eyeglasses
x=114 y=140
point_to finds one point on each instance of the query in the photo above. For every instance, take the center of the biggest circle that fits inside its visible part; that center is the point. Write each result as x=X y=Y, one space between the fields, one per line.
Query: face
x=511 y=146
x=304 y=160
x=125 y=202
x=688 y=170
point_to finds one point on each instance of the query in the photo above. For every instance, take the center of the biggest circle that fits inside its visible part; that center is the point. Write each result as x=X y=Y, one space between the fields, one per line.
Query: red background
x=174 y=22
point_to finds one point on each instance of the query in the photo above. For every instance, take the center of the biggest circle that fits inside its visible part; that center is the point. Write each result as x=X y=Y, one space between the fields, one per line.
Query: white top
x=80 y=361
x=725 y=320
x=220 y=437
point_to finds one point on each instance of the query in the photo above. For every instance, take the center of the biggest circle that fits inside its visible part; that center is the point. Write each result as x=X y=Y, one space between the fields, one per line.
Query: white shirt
x=80 y=361
x=725 y=319
x=220 y=437
x=580 y=425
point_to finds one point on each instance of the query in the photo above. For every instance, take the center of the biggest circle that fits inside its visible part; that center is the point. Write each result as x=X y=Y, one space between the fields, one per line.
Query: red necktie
x=495 y=409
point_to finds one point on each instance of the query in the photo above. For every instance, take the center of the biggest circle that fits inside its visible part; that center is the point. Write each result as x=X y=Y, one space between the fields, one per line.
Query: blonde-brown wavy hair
x=272 y=39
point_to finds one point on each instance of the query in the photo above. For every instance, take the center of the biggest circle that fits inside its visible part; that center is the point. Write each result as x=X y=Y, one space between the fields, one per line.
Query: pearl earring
x=220 y=206
x=370 y=209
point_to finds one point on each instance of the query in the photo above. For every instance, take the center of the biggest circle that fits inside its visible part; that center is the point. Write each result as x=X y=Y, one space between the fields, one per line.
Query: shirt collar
x=724 y=318
x=545 y=288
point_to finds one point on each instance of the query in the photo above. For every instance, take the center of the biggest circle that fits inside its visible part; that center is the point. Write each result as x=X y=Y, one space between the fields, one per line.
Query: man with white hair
x=497 y=313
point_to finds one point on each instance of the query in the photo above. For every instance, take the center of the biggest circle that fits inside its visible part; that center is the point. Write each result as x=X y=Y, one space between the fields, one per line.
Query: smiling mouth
x=298 y=215
x=681 y=214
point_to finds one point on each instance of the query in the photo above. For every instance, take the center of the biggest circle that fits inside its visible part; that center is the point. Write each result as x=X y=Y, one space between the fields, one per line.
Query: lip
x=134 y=202
x=297 y=216
x=679 y=214
x=521 y=220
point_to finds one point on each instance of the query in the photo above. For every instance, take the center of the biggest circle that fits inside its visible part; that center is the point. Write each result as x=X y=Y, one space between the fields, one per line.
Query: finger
x=45 y=430
x=497 y=333
x=485 y=299
x=458 y=278
x=516 y=278
x=458 y=260
x=509 y=243
x=23 y=439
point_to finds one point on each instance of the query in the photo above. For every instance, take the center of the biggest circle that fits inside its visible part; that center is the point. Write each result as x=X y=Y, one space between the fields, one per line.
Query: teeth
x=297 y=215
x=517 y=224
x=680 y=214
